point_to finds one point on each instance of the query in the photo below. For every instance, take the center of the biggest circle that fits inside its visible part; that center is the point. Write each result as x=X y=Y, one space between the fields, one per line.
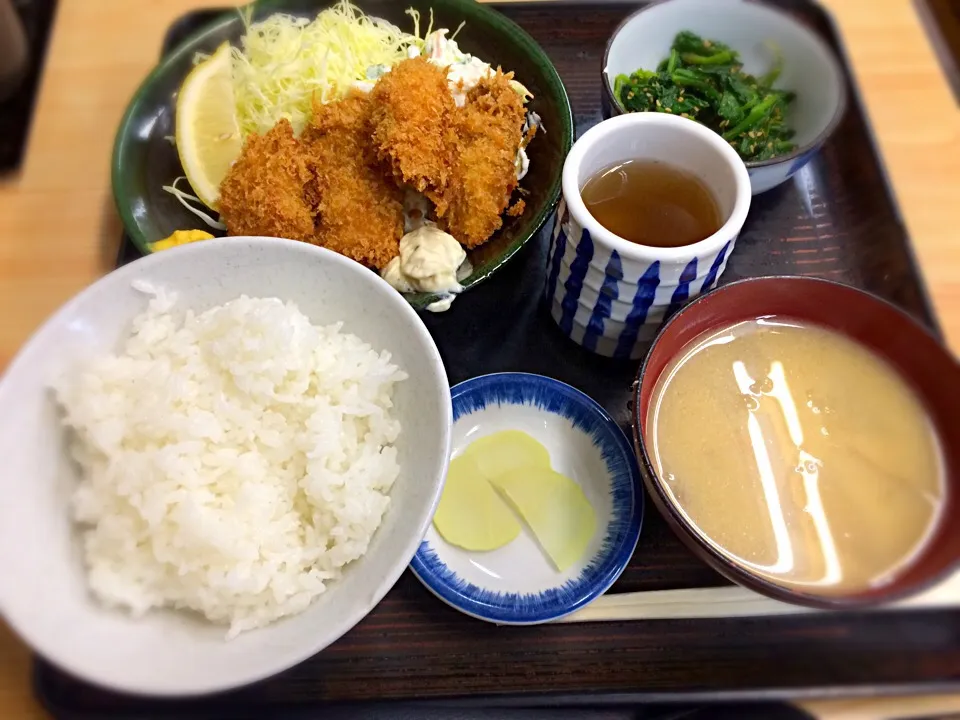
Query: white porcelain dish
x=608 y=294
x=756 y=31
x=44 y=595
x=516 y=584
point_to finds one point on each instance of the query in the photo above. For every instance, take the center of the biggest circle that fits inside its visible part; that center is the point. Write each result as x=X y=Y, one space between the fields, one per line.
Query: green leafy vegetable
x=703 y=80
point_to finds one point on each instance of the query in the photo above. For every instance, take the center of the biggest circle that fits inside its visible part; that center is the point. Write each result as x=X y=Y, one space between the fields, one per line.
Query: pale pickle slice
x=471 y=514
x=555 y=509
x=507 y=450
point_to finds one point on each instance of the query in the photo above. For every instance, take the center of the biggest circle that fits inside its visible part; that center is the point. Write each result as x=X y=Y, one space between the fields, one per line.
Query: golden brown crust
x=489 y=129
x=359 y=210
x=412 y=118
x=263 y=193
x=341 y=184
x=516 y=210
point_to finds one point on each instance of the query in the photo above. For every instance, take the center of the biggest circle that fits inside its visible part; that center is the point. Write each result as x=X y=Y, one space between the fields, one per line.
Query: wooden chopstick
x=731 y=602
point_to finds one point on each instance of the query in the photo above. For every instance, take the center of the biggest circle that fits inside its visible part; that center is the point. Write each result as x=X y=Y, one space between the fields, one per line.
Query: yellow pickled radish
x=555 y=509
x=507 y=450
x=180 y=237
x=471 y=514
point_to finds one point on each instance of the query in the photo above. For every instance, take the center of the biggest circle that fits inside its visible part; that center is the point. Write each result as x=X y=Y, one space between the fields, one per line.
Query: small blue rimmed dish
x=516 y=584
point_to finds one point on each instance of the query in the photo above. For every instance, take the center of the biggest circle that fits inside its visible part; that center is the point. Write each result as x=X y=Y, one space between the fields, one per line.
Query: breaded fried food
x=341 y=184
x=263 y=193
x=359 y=209
x=412 y=125
x=516 y=210
x=489 y=129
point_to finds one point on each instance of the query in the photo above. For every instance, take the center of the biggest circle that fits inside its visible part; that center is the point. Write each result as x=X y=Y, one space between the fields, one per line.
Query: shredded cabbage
x=285 y=60
x=184 y=198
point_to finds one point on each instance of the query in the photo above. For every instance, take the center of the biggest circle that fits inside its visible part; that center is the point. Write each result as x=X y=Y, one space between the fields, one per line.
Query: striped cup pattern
x=612 y=304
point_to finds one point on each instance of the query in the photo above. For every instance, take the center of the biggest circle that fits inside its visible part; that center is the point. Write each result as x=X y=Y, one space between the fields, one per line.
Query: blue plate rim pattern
x=623 y=532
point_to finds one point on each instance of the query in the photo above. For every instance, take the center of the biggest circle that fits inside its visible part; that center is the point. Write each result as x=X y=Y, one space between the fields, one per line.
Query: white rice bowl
x=232 y=462
x=141 y=620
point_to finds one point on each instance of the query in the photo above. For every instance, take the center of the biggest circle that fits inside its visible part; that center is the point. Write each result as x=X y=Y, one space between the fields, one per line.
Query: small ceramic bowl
x=754 y=30
x=516 y=584
x=44 y=595
x=144 y=160
x=877 y=325
x=608 y=294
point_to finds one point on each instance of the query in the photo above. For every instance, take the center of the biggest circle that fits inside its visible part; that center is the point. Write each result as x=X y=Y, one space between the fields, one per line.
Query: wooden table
x=59 y=230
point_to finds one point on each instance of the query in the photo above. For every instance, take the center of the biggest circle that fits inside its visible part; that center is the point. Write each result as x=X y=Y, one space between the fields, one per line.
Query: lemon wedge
x=471 y=515
x=207 y=134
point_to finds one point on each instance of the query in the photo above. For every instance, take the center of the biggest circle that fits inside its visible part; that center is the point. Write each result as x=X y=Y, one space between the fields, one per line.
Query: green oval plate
x=145 y=158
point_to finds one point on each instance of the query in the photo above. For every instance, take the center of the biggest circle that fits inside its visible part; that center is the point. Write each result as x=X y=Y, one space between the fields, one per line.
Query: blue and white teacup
x=610 y=294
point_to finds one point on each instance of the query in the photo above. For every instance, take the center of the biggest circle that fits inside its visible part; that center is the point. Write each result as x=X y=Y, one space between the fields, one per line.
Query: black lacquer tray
x=837 y=219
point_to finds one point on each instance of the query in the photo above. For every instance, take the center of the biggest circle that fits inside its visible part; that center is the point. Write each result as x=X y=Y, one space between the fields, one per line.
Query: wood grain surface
x=59 y=231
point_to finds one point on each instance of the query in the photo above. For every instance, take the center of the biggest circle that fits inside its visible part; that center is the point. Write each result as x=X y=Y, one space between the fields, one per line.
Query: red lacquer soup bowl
x=874 y=323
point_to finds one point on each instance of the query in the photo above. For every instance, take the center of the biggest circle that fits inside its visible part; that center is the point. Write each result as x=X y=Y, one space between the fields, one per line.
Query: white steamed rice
x=232 y=462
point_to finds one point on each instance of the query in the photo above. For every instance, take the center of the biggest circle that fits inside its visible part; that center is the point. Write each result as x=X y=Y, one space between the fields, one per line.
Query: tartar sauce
x=464 y=71
x=429 y=261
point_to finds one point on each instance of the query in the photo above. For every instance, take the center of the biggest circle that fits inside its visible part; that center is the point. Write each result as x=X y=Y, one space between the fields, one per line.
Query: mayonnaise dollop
x=464 y=71
x=429 y=261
